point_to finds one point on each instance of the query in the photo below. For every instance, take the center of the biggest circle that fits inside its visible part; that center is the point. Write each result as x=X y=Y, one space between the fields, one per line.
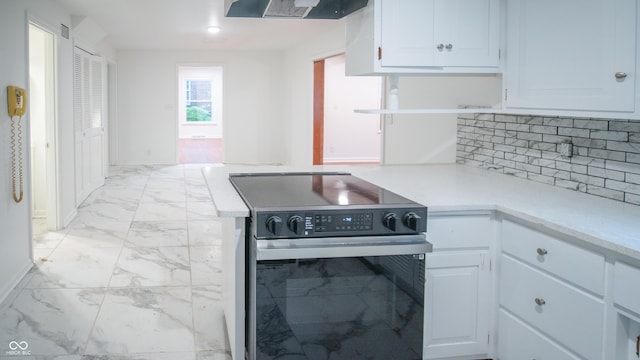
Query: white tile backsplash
x=605 y=161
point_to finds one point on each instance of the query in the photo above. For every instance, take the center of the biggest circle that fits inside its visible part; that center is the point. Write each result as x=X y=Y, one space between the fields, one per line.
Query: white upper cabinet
x=575 y=55
x=424 y=36
x=467 y=32
x=407 y=38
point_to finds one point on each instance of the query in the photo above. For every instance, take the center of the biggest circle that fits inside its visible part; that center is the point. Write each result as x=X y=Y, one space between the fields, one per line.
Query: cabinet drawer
x=518 y=341
x=573 y=318
x=460 y=231
x=626 y=289
x=572 y=263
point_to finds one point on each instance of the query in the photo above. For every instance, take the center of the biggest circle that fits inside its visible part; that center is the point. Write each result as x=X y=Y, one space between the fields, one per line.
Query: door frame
x=52 y=130
x=319 y=87
x=178 y=86
x=111 y=153
x=318 y=112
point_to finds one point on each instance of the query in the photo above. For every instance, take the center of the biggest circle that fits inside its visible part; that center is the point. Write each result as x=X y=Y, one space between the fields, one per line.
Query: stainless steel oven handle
x=307 y=248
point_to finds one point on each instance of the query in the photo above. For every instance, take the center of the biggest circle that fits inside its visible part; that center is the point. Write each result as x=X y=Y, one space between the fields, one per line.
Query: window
x=200 y=96
x=199 y=100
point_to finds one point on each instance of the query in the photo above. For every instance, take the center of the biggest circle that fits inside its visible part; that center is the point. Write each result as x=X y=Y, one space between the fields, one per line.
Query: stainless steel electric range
x=334 y=268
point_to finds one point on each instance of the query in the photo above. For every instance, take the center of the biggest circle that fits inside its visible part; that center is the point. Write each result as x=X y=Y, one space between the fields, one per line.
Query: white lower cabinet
x=626 y=286
x=553 y=290
x=627 y=338
x=459 y=287
x=500 y=287
x=518 y=340
x=560 y=311
x=626 y=299
x=582 y=267
x=457 y=304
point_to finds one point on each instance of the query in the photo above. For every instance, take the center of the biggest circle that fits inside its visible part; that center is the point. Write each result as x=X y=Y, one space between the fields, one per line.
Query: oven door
x=337 y=298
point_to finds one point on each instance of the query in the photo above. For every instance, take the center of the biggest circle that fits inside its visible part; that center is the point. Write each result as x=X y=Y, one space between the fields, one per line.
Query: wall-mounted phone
x=16 y=101
x=17 y=105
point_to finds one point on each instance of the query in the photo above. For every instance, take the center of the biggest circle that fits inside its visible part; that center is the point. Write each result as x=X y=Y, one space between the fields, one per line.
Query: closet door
x=89 y=111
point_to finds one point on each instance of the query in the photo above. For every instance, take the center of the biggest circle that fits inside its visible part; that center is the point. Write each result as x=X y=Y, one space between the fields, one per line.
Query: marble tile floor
x=136 y=275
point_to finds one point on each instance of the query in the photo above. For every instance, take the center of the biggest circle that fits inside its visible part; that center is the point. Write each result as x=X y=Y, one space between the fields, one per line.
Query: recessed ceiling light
x=213 y=29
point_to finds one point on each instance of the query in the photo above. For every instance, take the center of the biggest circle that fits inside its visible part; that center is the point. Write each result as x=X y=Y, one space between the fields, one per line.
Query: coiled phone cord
x=16 y=197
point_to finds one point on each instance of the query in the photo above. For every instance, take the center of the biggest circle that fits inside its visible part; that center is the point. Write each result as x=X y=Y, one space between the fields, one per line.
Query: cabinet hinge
x=506 y=94
x=499 y=54
x=379 y=52
x=488 y=337
x=490 y=265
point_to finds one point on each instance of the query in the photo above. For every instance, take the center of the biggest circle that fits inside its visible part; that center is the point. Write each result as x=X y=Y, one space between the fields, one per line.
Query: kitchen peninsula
x=571 y=245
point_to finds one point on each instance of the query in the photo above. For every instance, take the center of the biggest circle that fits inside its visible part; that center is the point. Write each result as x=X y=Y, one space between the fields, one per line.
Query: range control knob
x=411 y=220
x=274 y=224
x=390 y=221
x=296 y=224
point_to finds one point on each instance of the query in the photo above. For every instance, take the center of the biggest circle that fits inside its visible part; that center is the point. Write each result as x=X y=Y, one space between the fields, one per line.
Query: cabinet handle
x=540 y=301
x=440 y=47
x=621 y=75
x=542 y=252
x=449 y=46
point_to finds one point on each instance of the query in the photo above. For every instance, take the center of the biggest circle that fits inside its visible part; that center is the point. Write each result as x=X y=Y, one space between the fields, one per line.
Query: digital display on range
x=343 y=222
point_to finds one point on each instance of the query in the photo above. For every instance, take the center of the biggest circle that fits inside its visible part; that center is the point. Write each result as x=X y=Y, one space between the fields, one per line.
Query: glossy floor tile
x=135 y=276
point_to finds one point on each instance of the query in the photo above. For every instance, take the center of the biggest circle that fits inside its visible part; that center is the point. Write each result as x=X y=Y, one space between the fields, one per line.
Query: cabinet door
x=407 y=33
x=467 y=32
x=457 y=304
x=565 y=54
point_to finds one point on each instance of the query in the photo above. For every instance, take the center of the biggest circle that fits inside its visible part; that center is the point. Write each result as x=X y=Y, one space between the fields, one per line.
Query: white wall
x=298 y=91
x=423 y=139
x=409 y=139
x=148 y=98
x=350 y=136
x=15 y=238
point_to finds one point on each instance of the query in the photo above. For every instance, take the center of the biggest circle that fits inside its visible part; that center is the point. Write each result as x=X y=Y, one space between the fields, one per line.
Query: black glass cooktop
x=312 y=190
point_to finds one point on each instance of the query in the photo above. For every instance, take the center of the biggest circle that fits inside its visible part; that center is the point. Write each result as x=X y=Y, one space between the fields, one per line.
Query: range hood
x=297 y=9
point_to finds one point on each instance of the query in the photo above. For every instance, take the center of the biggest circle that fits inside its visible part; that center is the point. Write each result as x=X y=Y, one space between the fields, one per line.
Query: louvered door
x=89 y=128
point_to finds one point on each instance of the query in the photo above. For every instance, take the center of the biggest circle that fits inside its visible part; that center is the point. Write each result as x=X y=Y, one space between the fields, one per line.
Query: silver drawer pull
x=620 y=75
x=540 y=301
x=542 y=252
x=440 y=47
x=449 y=46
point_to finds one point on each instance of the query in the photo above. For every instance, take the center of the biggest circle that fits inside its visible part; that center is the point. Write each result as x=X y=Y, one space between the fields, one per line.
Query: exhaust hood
x=296 y=9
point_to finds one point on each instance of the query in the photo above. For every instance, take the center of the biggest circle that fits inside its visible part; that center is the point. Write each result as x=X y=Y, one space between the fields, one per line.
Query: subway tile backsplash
x=605 y=157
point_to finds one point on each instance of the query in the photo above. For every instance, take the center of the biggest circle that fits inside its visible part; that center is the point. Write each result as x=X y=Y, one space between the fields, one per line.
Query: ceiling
x=182 y=25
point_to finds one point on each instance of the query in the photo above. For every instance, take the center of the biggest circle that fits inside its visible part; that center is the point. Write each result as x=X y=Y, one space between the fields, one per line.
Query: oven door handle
x=308 y=248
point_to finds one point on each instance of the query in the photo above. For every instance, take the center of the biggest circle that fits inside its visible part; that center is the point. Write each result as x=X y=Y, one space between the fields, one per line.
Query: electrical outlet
x=566 y=149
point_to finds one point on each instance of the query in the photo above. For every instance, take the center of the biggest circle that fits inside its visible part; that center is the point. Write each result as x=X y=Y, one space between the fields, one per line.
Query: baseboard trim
x=6 y=290
x=69 y=218
x=351 y=160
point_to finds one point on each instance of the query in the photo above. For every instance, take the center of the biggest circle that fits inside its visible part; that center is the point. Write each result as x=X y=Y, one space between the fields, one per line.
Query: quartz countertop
x=609 y=224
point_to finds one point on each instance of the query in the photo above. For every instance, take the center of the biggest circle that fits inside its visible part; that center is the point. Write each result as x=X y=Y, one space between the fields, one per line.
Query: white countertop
x=609 y=224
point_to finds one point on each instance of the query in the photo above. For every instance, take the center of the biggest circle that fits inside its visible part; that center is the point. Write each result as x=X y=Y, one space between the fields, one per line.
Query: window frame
x=212 y=73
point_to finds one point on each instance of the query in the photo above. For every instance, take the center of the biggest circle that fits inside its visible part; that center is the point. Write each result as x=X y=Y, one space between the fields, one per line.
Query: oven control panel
x=343 y=222
x=327 y=223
